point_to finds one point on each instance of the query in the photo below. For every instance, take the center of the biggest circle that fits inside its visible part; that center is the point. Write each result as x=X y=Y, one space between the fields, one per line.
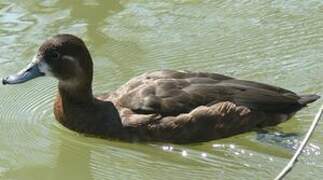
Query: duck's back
x=169 y=92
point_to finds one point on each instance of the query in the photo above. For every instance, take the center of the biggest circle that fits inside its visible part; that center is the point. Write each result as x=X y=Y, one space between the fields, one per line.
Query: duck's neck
x=77 y=109
x=80 y=93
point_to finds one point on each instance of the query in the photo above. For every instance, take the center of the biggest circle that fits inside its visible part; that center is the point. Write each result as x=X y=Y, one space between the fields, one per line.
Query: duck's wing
x=167 y=92
x=172 y=93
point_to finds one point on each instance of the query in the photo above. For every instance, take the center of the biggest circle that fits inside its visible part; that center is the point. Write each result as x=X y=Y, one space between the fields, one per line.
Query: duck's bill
x=30 y=72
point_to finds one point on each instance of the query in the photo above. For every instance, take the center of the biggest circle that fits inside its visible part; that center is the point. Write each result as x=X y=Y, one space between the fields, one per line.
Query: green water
x=278 y=42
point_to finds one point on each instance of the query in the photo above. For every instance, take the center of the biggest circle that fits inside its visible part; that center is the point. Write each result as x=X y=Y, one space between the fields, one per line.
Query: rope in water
x=308 y=135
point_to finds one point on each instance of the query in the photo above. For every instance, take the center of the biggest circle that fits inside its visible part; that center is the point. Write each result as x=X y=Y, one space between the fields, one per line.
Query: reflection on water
x=277 y=42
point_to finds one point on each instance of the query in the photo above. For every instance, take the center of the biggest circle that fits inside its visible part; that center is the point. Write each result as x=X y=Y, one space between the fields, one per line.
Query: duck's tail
x=306 y=99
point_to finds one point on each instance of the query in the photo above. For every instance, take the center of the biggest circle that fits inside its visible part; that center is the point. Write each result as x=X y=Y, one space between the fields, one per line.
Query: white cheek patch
x=44 y=68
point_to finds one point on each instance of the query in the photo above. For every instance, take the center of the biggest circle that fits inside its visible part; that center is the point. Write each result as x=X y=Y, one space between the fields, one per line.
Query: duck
x=172 y=106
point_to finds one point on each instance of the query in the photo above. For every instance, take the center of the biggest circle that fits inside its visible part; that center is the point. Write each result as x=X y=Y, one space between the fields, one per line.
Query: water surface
x=276 y=42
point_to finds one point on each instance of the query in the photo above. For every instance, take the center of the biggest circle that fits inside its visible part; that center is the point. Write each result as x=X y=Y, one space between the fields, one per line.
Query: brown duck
x=165 y=105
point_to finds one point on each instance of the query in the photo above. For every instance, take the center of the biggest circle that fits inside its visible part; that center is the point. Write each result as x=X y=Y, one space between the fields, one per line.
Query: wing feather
x=174 y=92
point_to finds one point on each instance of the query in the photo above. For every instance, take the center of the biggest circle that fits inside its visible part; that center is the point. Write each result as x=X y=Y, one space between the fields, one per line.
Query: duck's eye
x=53 y=55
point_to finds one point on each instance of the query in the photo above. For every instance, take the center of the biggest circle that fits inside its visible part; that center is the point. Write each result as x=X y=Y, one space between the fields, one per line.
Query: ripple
x=24 y=112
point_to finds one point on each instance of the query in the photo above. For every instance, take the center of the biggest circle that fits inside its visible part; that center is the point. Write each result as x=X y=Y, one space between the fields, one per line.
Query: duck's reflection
x=91 y=13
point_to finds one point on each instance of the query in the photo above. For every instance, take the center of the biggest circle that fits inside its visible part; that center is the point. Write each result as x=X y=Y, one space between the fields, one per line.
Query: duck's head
x=64 y=57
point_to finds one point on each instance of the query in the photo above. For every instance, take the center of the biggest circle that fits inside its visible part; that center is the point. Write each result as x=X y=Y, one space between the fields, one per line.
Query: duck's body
x=173 y=106
x=181 y=107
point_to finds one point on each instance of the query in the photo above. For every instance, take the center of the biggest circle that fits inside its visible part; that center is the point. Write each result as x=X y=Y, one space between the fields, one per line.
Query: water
x=277 y=42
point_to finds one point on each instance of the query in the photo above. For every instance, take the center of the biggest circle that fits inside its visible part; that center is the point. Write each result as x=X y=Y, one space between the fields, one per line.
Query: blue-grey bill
x=32 y=71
